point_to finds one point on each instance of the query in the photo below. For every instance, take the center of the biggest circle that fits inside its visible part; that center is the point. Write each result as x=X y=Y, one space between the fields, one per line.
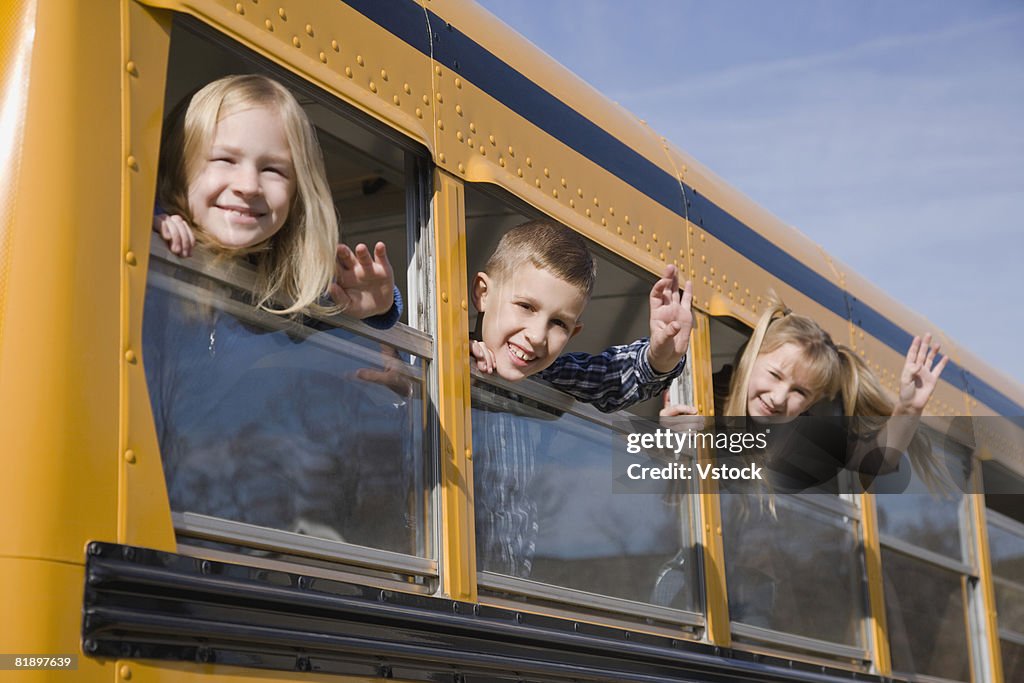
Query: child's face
x=779 y=384
x=243 y=189
x=530 y=318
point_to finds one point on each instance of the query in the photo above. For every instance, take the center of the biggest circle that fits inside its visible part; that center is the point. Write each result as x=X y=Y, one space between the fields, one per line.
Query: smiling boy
x=531 y=297
x=534 y=289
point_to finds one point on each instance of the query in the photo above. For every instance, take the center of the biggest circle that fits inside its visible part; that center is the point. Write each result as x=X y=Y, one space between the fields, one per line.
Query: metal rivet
x=406 y=89
x=395 y=100
x=130 y=259
x=537 y=182
x=490 y=139
x=281 y=13
x=444 y=297
x=618 y=229
x=472 y=127
x=547 y=173
x=323 y=57
x=426 y=100
x=529 y=162
x=373 y=87
x=462 y=169
x=335 y=46
x=269 y=25
x=239 y=8
x=572 y=203
x=611 y=210
x=348 y=71
x=469 y=141
x=130 y=68
x=129 y=455
x=383 y=75
x=440 y=98
x=440 y=124
x=501 y=161
x=588 y=213
x=125 y=672
x=309 y=30
x=296 y=42
x=437 y=70
x=458 y=82
x=419 y=113
x=441 y=157
x=459 y=136
x=129 y=356
x=596 y=203
x=519 y=172
x=554 y=193
x=359 y=60
x=133 y=163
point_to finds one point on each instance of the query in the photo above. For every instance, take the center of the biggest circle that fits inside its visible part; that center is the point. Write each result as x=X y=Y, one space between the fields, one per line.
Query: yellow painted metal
x=877 y=623
x=143 y=511
x=988 y=649
x=61 y=353
x=334 y=47
x=453 y=403
x=715 y=594
x=43 y=615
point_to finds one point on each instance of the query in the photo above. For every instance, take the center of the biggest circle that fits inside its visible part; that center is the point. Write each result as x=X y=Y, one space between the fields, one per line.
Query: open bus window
x=294 y=436
x=549 y=529
x=794 y=573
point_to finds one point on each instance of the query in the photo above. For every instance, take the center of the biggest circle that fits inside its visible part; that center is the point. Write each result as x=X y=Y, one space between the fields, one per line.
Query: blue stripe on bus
x=451 y=47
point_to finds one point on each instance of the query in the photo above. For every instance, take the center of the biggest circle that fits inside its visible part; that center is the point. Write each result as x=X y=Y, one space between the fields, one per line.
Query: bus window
x=792 y=561
x=927 y=567
x=1006 y=548
x=549 y=529
x=293 y=436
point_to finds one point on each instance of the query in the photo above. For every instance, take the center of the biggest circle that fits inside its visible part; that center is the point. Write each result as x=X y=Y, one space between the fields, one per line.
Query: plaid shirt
x=612 y=380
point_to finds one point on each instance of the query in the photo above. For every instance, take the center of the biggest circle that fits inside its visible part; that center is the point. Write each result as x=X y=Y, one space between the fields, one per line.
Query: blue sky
x=891 y=133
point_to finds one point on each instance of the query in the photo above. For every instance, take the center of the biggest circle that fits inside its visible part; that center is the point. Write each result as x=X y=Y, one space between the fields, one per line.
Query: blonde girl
x=241 y=173
x=791 y=364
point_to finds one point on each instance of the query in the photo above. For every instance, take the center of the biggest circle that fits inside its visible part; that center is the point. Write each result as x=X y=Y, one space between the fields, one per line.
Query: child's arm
x=175 y=231
x=364 y=283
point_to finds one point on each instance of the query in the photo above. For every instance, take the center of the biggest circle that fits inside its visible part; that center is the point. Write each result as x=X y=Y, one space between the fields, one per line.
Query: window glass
x=293 y=435
x=1006 y=549
x=926 y=618
x=796 y=571
x=549 y=527
x=1013 y=660
x=928 y=519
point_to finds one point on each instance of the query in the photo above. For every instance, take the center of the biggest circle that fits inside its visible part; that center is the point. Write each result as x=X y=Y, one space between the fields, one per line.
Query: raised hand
x=364 y=283
x=671 y=321
x=677 y=409
x=176 y=232
x=483 y=356
x=919 y=377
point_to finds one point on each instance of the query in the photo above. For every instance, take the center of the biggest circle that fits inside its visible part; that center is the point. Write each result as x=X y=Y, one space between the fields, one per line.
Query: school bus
x=441 y=128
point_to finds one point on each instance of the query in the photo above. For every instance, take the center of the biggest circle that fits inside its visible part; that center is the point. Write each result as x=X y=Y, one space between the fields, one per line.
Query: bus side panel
x=144 y=512
x=61 y=354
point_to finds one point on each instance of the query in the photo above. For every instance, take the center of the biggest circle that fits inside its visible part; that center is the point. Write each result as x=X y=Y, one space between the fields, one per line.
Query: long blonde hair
x=835 y=370
x=296 y=265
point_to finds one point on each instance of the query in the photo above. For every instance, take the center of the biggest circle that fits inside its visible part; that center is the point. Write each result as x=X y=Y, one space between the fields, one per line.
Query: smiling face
x=531 y=316
x=243 y=189
x=780 y=384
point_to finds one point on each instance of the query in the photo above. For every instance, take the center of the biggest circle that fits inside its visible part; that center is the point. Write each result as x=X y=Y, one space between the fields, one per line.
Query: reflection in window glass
x=1010 y=605
x=1007 y=551
x=545 y=509
x=927 y=517
x=798 y=572
x=924 y=607
x=274 y=427
x=1013 y=660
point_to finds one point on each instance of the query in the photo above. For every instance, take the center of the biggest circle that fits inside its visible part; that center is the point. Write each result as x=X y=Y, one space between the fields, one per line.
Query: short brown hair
x=548 y=246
